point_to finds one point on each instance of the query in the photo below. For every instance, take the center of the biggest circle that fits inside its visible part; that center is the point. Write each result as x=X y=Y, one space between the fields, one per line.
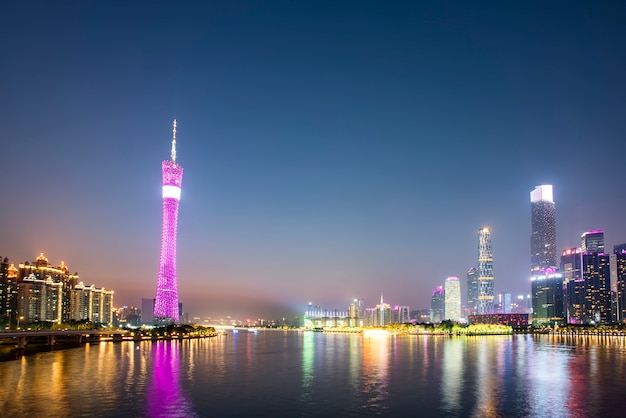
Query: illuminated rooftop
x=542 y=193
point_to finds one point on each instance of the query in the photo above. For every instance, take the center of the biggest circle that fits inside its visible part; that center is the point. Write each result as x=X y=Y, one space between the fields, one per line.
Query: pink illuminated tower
x=166 y=302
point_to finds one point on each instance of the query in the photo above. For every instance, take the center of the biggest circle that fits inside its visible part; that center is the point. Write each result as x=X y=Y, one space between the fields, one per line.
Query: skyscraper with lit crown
x=166 y=302
x=485 y=272
x=543 y=230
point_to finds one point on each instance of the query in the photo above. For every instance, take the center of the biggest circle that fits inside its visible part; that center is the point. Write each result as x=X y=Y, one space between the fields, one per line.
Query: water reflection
x=375 y=372
x=308 y=358
x=486 y=383
x=452 y=379
x=312 y=374
x=165 y=397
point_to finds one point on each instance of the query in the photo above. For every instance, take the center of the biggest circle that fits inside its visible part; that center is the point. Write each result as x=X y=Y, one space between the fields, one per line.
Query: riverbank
x=15 y=347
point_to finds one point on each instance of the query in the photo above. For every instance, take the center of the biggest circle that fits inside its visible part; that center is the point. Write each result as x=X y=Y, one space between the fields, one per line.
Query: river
x=301 y=374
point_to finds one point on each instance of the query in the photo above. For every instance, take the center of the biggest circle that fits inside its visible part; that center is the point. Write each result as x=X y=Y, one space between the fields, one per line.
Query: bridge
x=81 y=336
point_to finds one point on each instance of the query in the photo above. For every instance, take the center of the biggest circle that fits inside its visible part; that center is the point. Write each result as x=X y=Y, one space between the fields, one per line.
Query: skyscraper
x=596 y=273
x=592 y=241
x=620 y=255
x=573 y=285
x=452 y=304
x=437 y=305
x=473 y=289
x=547 y=291
x=166 y=302
x=485 y=272
x=543 y=229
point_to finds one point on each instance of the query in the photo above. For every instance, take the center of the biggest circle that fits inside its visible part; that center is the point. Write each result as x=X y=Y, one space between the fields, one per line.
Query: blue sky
x=332 y=150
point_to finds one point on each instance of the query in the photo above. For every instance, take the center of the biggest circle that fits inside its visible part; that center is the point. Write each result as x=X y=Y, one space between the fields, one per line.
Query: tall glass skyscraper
x=543 y=229
x=573 y=285
x=437 y=305
x=620 y=255
x=166 y=303
x=473 y=289
x=485 y=272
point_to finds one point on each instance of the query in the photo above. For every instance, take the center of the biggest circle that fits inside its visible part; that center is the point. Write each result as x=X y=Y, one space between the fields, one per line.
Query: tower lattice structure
x=166 y=302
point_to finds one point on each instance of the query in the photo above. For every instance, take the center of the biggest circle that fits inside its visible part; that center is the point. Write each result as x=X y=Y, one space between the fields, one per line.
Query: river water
x=301 y=374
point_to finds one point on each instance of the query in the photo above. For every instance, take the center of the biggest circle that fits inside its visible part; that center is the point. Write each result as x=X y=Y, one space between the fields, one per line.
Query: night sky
x=332 y=150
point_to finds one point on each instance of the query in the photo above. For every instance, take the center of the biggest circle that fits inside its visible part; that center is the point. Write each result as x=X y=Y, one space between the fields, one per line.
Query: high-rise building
x=592 y=241
x=400 y=314
x=166 y=301
x=452 y=296
x=504 y=303
x=547 y=291
x=485 y=272
x=620 y=260
x=437 y=305
x=473 y=290
x=543 y=229
x=355 y=312
x=383 y=313
x=8 y=292
x=147 y=311
x=596 y=274
x=91 y=303
x=573 y=285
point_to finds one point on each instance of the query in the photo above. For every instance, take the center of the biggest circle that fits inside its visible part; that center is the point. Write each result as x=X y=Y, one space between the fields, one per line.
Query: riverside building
x=485 y=272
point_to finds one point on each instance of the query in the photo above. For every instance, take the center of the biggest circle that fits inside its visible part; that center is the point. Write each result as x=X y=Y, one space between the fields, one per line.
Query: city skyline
x=321 y=164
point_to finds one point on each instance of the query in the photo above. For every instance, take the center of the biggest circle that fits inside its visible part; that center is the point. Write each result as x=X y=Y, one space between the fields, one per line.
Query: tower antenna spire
x=174 y=142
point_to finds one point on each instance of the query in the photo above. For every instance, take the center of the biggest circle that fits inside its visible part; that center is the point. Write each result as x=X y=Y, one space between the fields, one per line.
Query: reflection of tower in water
x=164 y=396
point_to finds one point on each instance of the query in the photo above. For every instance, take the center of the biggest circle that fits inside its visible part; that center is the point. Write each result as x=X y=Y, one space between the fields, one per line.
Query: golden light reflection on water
x=375 y=371
x=486 y=383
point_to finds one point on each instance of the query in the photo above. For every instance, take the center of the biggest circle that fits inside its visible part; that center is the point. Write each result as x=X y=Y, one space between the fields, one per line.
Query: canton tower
x=166 y=302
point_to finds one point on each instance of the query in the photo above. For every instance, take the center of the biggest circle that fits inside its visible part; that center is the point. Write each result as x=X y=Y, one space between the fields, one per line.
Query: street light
x=18 y=321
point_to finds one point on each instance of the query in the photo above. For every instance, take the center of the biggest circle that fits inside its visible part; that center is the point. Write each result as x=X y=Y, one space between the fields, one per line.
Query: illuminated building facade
x=452 y=299
x=473 y=290
x=42 y=293
x=547 y=291
x=592 y=241
x=485 y=272
x=543 y=230
x=166 y=301
x=39 y=300
x=573 y=285
x=90 y=303
x=355 y=312
x=33 y=276
x=9 y=276
x=400 y=314
x=437 y=305
x=514 y=320
x=596 y=272
x=620 y=260
x=317 y=317
x=504 y=303
x=382 y=315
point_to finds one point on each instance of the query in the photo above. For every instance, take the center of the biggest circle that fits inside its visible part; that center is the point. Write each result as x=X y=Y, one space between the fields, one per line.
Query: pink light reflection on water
x=165 y=397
